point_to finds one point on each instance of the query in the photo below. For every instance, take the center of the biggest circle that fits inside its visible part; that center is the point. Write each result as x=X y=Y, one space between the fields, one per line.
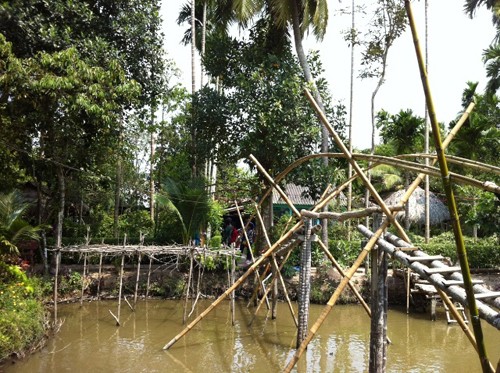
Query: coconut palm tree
x=13 y=228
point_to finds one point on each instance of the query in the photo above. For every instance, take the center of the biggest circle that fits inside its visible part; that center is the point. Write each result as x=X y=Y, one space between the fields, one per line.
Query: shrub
x=22 y=319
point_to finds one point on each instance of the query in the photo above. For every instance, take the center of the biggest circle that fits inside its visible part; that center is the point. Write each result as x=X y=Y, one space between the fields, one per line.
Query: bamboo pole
x=257 y=275
x=277 y=269
x=99 y=277
x=83 y=277
x=368 y=247
x=137 y=278
x=58 y=259
x=457 y=230
x=149 y=276
x=342 y=216
x=237 y=283
x=184 y=318
x=233 y=294
x=120 y=289
x=355 y=165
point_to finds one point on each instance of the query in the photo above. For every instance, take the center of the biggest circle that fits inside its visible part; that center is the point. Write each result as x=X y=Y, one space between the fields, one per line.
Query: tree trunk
x=151 y=178
x=203 y=40
x=118 y=186
x=60 y=211
x=304 y=283
x=297 y=35
x=193 y=84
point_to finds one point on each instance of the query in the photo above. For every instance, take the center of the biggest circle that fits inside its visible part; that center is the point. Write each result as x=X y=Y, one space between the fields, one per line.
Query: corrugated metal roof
x=295 y=194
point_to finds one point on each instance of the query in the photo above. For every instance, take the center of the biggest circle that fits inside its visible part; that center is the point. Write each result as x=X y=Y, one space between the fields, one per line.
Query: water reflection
x=90 y=341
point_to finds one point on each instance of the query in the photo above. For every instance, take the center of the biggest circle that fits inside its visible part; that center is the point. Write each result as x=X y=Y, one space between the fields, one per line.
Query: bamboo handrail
x=341 y=216
x=457 y=160
x=443 y=165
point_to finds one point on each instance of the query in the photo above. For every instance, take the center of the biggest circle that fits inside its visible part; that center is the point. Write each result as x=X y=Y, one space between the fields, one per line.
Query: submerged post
x=58 y=259
x=304 y=283
x=83 y=277
x=99 y=277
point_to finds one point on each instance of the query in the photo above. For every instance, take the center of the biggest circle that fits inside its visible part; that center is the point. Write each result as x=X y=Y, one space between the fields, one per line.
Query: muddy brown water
x=89 y=341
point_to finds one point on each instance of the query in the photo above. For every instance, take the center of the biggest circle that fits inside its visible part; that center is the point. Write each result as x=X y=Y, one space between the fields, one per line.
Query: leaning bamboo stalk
x=278 y=270
x=237 y=283
x=457 y=230
x=258 y=287
x=464 y=162
x=342 y=273
x=355 y=165
x=367 y=248
x=257 y=275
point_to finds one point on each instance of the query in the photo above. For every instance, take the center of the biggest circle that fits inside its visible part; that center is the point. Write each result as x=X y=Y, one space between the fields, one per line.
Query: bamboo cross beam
x=368 y=247
x=355 y=165
x=337 y=216
x=443 y=165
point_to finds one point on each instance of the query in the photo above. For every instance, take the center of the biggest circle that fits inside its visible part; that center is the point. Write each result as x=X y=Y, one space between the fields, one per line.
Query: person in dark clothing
x=227 y=232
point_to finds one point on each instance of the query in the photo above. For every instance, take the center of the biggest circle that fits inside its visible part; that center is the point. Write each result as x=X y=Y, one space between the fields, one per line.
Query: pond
x=90 y=341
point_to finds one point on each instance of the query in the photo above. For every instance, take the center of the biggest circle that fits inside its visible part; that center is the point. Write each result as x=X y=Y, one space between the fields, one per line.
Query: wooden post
x=117 y=318
x=184 y=318
x=137 y=278
x=99 y=277
x=408 y=289
x=233 y=279
x=304 y=283
x=58 y=259
x=149 y=277
x=83 y=277
x=120 y=289
x=378 y=340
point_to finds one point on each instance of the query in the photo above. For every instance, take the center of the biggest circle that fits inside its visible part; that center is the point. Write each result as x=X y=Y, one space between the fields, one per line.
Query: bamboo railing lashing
x=443 y=165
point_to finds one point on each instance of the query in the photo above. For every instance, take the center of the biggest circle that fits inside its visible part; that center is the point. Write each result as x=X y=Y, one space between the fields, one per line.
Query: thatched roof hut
x=438 y=211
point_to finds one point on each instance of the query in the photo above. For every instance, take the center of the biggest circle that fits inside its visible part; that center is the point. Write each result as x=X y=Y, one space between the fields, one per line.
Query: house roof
x=295 y=193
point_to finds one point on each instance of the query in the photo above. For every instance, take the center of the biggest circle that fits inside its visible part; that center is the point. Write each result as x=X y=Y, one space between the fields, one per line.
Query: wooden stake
x=83 y=277
x=137 y=278
x=99 y=277
x=184 y=318
x=120 y=288
x=58 y=259
x=233 y=278
x=149 y=276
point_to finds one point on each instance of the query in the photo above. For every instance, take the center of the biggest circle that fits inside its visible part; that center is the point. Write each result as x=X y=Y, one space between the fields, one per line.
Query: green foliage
x=215 y=242
x=485 y=253
x=189 y=201
x=22 y=320
x=345 y=252
x=70 y=284
x=13 y=228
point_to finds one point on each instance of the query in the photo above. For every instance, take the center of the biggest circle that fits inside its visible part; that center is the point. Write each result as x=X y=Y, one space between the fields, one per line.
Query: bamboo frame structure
x=443 y=165
x=333 y=299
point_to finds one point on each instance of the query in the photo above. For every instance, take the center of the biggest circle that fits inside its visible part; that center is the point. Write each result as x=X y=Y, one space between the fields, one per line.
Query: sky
x=455 y=48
